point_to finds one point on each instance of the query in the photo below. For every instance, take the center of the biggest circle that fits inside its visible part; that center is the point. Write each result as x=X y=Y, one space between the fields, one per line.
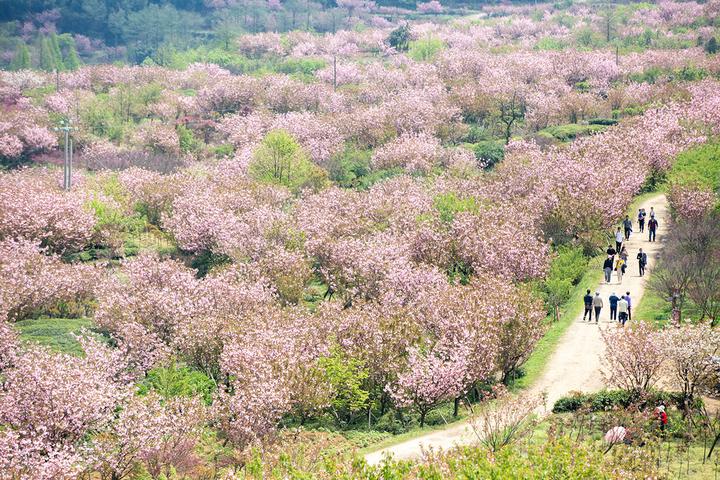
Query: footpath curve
x=576 y=364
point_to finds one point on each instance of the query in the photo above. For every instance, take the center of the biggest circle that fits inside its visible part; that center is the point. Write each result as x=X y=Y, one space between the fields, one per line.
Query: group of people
x=620 y=307
x=617 y=261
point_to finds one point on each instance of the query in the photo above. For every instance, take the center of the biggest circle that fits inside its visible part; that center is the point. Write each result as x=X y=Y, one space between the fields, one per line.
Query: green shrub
x=568 y=132
x=489 y=152
x=449 y=204
x=570 y=403
x=224 y=150
x=570 y=264
x=425 y=49
x=349 y=167
x=178 y=381
x=602 y=121
x=550 y=43
x=188 y=142
x=605 y=400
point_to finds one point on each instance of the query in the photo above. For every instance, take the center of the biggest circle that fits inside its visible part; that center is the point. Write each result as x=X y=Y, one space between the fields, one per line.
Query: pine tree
x=72 y=60
x=22 y=58
x=47 y=61
x=711 y=46
x=56 y=52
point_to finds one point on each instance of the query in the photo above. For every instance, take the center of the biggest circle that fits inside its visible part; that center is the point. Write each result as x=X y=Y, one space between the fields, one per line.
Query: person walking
x=641 y=220
x=598 y=304
x=618 y=239
x=620 y=269
x=608 y=268
x=614 y=299
x=652 y=229
x=627 y=225
x=652 y=213
x=611 y=251
x=622 y=311
x=624 y=257
x=642 y=261
x=588 y=300
x=626 y=297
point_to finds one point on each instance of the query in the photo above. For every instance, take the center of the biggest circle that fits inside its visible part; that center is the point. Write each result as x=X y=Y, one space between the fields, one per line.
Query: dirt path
x=576 y=363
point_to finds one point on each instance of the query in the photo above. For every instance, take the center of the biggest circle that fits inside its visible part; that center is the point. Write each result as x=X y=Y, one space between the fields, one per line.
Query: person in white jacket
x=623 y=311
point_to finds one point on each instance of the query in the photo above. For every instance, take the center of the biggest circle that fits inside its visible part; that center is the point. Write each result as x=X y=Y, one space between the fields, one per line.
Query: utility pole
x=66 y=127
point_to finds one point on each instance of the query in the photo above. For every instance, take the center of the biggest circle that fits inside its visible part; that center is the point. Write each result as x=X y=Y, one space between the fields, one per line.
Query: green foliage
x=606 y=400
x=587 y=37
x=205 y=261
x=348 y=168
x=711 y=47
x=21 y=61
x=399 y=38
x=570 y=264
x=565 y=133
x=424 y=50
x=50 y=58
x=178 y=381
x=281 y=160
x=489 y=152
x=603 y=121
x=224 y=150
x=700 y=166
x=347 y=376
x=147 y=29
x=188 y=142
x=305 y=67
x=57 y=333
x=449 y=204
x=551 y=43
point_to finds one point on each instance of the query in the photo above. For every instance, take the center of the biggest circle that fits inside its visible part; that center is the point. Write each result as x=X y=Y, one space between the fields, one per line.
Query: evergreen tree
x=56 y=52
x=22 y=58
x=711 y=46
x=72 y=60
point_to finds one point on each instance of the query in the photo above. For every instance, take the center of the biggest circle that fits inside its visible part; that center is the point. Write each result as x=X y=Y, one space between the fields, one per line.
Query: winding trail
x=576 y=363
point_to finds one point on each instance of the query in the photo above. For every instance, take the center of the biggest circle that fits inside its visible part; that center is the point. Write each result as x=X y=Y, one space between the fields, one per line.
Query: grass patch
x=56 y=333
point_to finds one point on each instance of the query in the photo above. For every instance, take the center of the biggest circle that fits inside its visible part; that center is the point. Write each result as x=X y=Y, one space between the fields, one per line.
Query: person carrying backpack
x=588 y=300
x=641 y=220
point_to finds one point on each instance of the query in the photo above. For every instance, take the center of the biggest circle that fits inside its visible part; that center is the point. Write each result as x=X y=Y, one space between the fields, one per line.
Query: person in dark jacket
x=627 y=225
x=588 y=299
x=610 y=251
x=642 y=261
x=641 y=219
x=614 y=299
x=608 y=268
x=652 y=229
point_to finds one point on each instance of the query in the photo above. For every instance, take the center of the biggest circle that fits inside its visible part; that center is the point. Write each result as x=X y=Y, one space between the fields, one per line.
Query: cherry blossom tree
x=634 y=356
